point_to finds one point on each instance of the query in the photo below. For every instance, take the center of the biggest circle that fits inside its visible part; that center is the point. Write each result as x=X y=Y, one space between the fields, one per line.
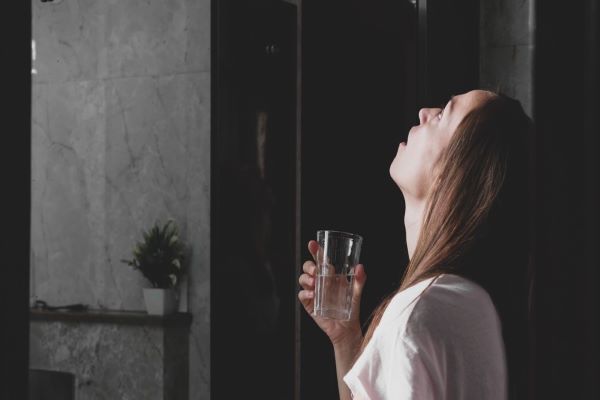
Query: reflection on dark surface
x=252 y=316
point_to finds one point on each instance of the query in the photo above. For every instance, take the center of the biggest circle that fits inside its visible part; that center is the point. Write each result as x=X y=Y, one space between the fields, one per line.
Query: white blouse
x=445 y=345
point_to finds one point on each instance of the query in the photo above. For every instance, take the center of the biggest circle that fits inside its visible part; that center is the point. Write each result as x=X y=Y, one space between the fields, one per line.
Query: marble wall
x=114 y=361
x=507 y=48
x=120 y=139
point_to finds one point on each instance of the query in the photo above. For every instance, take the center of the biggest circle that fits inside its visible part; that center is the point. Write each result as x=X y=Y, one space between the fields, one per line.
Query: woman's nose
x=423 y=114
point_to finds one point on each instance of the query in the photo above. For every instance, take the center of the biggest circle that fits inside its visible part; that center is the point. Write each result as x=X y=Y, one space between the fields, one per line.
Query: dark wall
x=367 y=68
x=16 y=178
x=447 y=50
x=358 y=103
x=566 y=110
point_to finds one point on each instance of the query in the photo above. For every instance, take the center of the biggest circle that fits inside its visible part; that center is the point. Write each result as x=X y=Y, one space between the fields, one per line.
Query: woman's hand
x=337 y=331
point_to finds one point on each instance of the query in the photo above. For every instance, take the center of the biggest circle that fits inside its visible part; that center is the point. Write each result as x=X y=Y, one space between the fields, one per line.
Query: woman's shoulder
x=448 y=303
x=445 y=328
x=455 y=307
x=455 y=291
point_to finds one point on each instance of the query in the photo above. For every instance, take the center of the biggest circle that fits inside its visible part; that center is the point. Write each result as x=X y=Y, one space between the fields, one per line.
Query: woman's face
x=412 y=168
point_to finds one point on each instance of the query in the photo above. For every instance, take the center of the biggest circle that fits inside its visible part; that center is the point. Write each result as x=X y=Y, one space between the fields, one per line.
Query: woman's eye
x=442 y=107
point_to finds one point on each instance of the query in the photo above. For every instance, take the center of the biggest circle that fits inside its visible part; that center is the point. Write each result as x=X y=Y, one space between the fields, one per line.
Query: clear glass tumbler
x=337 y=258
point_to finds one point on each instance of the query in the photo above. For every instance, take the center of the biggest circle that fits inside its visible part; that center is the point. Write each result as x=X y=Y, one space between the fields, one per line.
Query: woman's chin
x=392 y=169
x=401 y=147
x=394 y=174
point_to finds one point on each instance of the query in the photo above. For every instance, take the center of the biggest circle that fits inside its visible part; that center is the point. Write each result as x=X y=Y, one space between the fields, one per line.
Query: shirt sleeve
x=397 y=366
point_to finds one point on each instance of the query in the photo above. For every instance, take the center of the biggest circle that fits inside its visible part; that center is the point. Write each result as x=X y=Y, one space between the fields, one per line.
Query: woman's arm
x=346 y=336
x=345 y=351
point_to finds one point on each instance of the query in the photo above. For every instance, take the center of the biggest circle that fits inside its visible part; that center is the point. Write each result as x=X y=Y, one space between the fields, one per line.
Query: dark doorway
x=253 y=199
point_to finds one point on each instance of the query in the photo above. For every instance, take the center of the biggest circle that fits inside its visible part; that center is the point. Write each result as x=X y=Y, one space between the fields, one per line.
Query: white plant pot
x=160 y=301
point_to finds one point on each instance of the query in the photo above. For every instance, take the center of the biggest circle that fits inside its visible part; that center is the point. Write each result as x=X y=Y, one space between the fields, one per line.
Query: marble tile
x=152 y=37
x=152 y=126
x=69 y=38
x=506 y=22
x=109 y=159
x=510 y=67
x=198 y=38
x=87 y=39
x=67 y=191
x=39 y=158
x=120 y=139
x=199 y=233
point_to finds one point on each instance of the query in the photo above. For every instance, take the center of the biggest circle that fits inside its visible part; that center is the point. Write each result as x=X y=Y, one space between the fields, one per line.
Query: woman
x=457 y=326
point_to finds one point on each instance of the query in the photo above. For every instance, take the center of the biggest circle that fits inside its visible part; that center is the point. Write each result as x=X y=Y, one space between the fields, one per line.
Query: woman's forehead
x=463 y=103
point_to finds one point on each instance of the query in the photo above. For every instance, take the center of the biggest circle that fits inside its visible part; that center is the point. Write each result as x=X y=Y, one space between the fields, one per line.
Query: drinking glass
x=337 y=258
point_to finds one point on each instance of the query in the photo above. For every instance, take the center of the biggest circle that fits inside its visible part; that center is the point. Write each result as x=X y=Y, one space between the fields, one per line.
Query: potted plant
x=159 y=256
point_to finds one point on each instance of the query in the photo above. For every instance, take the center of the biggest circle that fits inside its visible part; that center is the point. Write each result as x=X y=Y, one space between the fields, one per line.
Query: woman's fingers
x=306 y=295
x=307 y=281
x=309 y=267
x=313 y=248
x=306 y=298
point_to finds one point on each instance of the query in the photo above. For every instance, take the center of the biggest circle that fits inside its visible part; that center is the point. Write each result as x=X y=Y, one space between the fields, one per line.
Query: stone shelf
x=112 y=317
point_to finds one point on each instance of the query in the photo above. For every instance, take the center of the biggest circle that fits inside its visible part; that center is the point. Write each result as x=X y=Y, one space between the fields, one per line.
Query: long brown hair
x=477 y=222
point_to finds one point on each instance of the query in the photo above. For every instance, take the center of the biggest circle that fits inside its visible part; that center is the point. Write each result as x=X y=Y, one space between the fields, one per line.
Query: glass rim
x=341 y=233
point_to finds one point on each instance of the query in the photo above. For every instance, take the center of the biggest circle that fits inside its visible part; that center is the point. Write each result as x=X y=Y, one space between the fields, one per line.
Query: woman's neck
x=413 y=219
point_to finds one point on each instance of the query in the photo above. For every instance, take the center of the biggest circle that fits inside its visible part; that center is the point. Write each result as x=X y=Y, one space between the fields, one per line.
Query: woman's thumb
x=360 y=277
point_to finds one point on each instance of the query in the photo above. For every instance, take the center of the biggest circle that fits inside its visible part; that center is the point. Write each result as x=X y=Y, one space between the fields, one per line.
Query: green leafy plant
x=159 y=256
